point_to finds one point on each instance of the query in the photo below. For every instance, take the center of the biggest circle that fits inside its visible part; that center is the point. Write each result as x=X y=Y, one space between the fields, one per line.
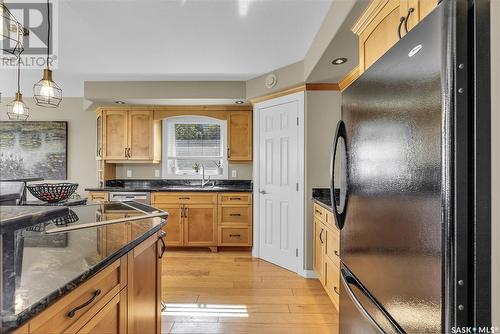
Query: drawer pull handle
x=336 y=290
x=319 y=212
x=235 y=198
x=71 y=313
x=336 y=253
x=235 y=235
x=235 y=214
x=184 y=197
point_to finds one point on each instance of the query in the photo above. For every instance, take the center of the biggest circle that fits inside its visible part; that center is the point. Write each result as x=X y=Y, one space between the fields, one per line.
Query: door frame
x=300 y=98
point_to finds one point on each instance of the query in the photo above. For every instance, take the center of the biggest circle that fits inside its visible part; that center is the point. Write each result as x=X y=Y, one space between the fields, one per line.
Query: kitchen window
x=193 y=143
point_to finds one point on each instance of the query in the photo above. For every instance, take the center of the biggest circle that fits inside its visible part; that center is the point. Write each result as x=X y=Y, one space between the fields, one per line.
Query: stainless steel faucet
x=203 y=181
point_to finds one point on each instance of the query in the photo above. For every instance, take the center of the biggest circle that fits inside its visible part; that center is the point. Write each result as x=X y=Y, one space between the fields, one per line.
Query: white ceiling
x=176 y=40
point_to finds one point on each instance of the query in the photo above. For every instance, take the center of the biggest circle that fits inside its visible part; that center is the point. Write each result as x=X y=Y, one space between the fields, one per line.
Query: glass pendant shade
x=46 y=92
x=17 y=110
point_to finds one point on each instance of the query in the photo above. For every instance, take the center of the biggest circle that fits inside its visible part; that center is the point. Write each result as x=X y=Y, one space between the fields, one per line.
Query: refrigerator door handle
x=348 y=280
x=339 y=216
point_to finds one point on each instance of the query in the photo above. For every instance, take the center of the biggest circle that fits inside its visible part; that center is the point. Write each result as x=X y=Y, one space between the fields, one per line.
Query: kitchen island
x=69 y=274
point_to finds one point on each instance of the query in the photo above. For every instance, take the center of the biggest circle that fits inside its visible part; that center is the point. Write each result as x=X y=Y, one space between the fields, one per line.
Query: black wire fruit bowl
x=52 y=192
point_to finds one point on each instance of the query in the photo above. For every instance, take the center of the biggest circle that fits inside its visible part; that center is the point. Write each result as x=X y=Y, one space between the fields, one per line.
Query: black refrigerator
x=407 y=187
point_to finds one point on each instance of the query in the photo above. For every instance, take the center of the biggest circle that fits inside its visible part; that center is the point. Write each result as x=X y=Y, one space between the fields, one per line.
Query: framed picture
x=34 y=149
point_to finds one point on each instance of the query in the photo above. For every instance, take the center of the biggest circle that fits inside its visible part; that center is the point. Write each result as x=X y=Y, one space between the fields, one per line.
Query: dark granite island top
x=39 y=268
x=175 y=186
x=322 y=197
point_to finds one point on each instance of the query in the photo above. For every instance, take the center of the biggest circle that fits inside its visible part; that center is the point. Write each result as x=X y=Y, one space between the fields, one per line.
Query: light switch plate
x=157 y=173
x=234 y=173
x=129 y=173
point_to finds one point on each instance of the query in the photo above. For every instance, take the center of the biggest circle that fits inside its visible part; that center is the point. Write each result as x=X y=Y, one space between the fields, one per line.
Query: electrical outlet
x=129 y=173
x=157 y=173
x=234 y=173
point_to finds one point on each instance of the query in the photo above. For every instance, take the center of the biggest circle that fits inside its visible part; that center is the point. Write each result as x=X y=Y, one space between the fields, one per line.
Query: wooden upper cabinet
x=115 y=139
x=140 y=135
x=240 y=135
x=131 y=135
x=381 y=24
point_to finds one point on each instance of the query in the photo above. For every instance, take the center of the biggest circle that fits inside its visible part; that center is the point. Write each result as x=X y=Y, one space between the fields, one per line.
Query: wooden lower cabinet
x=144 y=288
x=98 y=196
x=206 y=219
x=326 y=253
x=200 y=225
x=111 y=319
x=124 y=297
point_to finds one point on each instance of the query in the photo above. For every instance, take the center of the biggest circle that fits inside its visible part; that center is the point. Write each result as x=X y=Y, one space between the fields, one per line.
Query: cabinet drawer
x=235 y=198
x=241 y=215
x=98 y=196
x=235 y=236
x=329 y=218
x=332 y=245
x=70 y=313
x=332 y=281
x=184 y=198
x=319 y=212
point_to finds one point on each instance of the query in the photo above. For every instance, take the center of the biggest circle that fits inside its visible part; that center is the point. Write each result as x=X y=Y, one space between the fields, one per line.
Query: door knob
x=263 y=192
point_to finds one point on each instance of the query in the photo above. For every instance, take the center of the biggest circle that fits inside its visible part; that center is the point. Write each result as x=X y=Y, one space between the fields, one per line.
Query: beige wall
x=147 y=171
x=82 y=167
x=495 y=152
x=288 y=76
x=322 y=113
x=116 y=90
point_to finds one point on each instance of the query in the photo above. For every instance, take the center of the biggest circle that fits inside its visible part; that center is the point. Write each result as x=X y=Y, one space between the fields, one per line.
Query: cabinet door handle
x=235 y=214
x=234 y=235
x=163 y=246
x=336 y=253
x=182 y=213
x=228 y=152
x=407 y=17
x=186 y=212
x=401 y=21
x=336 y=290
x=321 y=236
x=100 y=152
x=125 y=152
x=72 y=313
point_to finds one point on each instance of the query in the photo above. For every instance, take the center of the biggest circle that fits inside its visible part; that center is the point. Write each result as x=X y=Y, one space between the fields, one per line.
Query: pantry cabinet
x=130 y=135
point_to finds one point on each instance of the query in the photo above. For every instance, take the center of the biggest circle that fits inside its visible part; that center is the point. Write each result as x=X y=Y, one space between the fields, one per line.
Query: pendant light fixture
x=17 y=110
x=11 y=32
x=46 y=92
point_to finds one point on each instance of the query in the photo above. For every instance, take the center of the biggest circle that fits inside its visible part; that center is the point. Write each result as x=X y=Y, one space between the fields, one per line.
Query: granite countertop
x=40 y=268
x=29 y=214
x=322 y=197
x=175 y=185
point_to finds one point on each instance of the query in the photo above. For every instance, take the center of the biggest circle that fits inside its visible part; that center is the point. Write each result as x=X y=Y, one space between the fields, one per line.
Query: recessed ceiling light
x=339 y=61
x=119 y=102
x=239 y=102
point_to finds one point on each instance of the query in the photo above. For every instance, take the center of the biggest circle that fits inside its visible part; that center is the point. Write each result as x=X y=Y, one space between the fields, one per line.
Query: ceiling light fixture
x=11 y=32
x=239 y=102
x=339 y=61
x=46 y=92
x=119 y=102
x=17 y=110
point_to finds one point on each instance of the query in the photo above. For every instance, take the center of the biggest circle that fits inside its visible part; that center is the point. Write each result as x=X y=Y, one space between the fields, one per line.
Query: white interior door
x=278 y=183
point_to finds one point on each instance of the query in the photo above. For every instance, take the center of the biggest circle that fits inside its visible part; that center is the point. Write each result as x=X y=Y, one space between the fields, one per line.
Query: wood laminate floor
x=231 y=292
